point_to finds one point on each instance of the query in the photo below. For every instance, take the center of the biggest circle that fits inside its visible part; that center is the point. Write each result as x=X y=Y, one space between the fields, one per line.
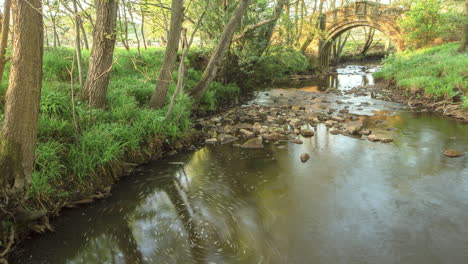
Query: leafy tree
x=422 y=23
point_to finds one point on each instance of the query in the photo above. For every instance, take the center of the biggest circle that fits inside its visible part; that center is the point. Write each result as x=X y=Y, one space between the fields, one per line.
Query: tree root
x=8 y=246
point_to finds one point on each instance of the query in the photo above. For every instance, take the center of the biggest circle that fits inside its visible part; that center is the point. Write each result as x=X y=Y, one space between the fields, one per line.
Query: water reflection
x=354 y=201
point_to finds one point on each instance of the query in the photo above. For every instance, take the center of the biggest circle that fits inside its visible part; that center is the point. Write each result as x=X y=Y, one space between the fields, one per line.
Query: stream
x=354 y=201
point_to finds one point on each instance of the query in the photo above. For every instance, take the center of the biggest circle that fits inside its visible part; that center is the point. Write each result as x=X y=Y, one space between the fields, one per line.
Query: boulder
x=353 y=128
x=246 y=133
x=305 y=132
x=454 y=153
x=226 y=138
x=254 y=143
x=305 y=157
x=296 y=141
x=211 y=141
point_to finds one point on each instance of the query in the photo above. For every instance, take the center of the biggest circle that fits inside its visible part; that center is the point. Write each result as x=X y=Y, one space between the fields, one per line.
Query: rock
x=365 y=132
x=339 y=102
x=353 y=127
x=246 y=133
x=211 y=141
x=337 y=118
x=386 y=140
x=305 y=157
x=296 y=141
x=329 y=123
x=305 y=132
x=254 y=143
x=295 y=122
x=335 y=132
x=281 y=147
x=243 y=126
x=373 y=138
x=171 y=153
x=454 y=153
x=256 y=128
x=225 y=138
x=275 y=136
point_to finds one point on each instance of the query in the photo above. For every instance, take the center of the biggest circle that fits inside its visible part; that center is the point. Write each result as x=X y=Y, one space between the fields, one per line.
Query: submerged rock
x=305 y=157
x=454 y=153
x=254 y=143
x=297 y=141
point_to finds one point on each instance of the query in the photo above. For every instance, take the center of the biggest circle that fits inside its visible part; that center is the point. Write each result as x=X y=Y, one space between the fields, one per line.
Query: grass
x=70 y=153
x=441 y=72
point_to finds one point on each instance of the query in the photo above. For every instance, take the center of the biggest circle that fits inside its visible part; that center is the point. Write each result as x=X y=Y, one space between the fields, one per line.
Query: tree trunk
x=19 y=132
x=165 y=74
x=271 y=26
x=121 y=31
x=210 y=72
x=78 y=43
x=134 y=30
x=85 y=37
x=4 y=37
x=100 y=60
x=143 y=27
x=465 y=30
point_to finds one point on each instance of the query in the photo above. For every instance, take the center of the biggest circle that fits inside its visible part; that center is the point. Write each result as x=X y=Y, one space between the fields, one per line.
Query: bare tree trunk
x=19 y=131
x=85 y=36
x=100 y=60
x=311 y=36
x=465 y=30
x=165 y=74
x=4 y=37
x=369 y=40
x=143 y=27
x=134 y=30
x=121 y=31
x=210 y=72
x=271 y=26
x=78 y=43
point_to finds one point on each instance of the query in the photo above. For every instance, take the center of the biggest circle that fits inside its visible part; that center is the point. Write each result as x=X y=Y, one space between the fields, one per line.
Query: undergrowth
x=441 y=72
x=70 y=150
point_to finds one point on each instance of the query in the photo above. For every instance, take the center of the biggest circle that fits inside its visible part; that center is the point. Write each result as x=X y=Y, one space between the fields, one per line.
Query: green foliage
x=280 y=62
x=73 y=154
x=48 y=168
x=431 y=19
x=440 y=71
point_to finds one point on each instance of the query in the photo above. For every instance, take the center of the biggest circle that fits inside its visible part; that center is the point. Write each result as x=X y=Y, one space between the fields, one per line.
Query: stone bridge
x=360 y=13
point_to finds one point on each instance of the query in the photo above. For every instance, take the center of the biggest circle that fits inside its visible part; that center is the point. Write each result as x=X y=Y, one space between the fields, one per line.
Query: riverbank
x=82 y=152
x=433 y=79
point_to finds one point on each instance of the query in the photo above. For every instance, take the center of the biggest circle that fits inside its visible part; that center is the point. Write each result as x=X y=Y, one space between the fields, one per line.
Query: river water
x=354 y=201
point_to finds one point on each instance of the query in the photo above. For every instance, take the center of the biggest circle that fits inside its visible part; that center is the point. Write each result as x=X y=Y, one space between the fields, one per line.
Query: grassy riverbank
x=440 y=73
x=76 y=144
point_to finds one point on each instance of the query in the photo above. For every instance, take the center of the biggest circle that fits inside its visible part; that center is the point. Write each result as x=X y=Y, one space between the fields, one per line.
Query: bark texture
x=165 y=75
x=19 y=131
x=465 y=30
x=102 y=53
x=211 y=70
x=4 y=37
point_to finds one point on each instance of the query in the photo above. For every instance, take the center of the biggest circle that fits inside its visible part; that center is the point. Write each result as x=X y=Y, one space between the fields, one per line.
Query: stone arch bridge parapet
x=360 y=13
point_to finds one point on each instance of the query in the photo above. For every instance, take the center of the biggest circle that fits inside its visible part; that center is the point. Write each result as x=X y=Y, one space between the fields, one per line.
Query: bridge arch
x=358 y=14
